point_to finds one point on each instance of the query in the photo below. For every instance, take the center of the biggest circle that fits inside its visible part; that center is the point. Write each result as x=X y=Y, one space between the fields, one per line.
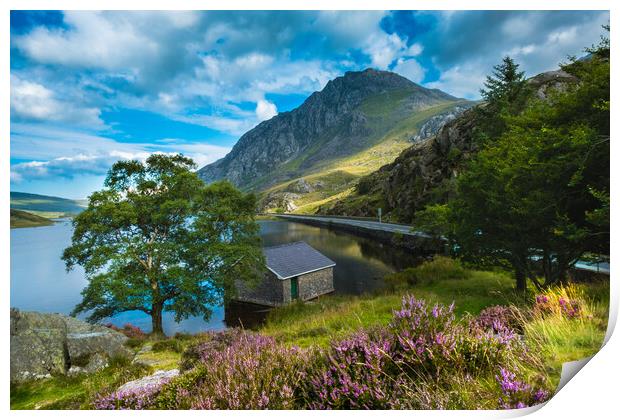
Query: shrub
x=129 y=330
x=424 y=358
x=355 y=375
x=497 y=318
x=566 y=301
x=238 y=370
x=429 y=272
x=518 y=394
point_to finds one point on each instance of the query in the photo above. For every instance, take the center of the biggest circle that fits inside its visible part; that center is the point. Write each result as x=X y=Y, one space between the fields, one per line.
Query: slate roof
x=294 y=259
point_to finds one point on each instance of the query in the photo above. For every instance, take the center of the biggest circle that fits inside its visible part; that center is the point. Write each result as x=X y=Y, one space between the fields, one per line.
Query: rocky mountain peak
x=329 y=124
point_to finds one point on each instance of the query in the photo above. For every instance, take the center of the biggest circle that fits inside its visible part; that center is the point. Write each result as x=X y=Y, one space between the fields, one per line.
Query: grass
x=333 y=317
x=21 y=219
x=553 y=337
x=64 y=392
x=560 y=339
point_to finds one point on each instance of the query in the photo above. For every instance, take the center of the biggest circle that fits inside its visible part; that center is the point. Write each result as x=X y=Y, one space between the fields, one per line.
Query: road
x=366 y=224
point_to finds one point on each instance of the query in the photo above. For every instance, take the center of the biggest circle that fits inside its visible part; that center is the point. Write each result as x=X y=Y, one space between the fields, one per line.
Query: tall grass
x=561 y=333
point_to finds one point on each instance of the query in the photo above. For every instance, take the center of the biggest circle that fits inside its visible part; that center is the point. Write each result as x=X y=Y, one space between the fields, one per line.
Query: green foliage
x=438 y=269
x=505 y=93
x=158 y=239
x=434 y=219
x=538 y=191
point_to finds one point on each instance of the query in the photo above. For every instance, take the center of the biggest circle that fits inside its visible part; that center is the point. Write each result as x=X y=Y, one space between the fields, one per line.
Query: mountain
x=423 y=172
x=44 y=205
x=300 y=159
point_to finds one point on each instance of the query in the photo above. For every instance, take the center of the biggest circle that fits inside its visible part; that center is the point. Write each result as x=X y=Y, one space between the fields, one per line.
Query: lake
x=39 y=281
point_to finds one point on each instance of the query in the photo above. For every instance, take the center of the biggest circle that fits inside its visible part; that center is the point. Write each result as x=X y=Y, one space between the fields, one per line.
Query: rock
x=82 y=346
x=284 y=201
x=148 y=382
x=551 y=81
x=51 y=344
x=436 y=123
x=301 y=186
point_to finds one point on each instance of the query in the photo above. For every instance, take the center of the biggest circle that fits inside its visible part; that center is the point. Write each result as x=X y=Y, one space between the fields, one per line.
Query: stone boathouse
x=294 y=271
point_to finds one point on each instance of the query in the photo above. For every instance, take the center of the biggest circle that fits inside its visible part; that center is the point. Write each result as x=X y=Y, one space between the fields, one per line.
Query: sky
x=89 y=88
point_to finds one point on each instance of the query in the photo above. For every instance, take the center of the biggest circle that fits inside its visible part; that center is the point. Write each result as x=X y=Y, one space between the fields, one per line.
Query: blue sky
x=89 y=88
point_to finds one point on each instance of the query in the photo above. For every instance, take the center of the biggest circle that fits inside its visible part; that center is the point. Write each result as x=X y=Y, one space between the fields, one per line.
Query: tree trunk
x=156 y=319
x=521 y=279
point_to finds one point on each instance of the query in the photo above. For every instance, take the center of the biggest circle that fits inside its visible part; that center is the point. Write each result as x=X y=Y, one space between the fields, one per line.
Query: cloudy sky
x=89 y=88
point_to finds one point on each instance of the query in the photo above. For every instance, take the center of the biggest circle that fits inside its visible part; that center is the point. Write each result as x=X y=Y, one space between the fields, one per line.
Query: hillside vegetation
x=44 y=205
x=20 y=219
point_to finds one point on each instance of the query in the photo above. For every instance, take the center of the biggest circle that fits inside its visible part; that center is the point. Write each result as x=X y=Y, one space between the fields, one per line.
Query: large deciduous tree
x=157 y=239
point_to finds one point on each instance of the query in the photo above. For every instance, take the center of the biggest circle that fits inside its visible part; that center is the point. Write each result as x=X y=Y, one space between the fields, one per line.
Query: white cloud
x=31 y=100
x=265 y=110
x=94 y=40
x=414 y=49
x=461 y=81
x=411 y=69
x=63 y=153
x=383 y=49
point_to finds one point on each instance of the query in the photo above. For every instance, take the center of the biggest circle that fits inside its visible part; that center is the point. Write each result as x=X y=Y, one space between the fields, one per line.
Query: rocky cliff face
x=347 y=116
x=422 y=173
x=436 y=123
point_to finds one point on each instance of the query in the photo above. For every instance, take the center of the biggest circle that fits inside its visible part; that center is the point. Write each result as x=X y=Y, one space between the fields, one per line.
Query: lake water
x=39 y=281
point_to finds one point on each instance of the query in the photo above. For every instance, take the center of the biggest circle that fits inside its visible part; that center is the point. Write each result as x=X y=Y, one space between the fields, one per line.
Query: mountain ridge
x=331 y=120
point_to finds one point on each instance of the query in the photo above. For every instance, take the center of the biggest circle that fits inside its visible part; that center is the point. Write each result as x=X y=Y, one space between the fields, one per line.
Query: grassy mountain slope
x=20 y=218
x=338 y=177
x=45 y=206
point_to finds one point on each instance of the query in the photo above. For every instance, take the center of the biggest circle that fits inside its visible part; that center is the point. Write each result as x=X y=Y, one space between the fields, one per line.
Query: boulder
x=147 y=383
x=50 y=344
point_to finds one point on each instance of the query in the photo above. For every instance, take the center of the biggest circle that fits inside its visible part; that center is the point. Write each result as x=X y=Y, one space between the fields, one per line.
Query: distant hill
x=44 y=205
x=315 y=153
x=20 y=218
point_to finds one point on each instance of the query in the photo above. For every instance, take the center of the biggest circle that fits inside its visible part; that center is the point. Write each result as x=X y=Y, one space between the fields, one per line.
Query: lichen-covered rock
x=51 y=344
x=284 y=201
x=159 y=377
x=436 y=123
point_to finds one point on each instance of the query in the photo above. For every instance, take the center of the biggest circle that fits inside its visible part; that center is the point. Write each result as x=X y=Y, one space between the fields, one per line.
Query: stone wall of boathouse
x=315 y=284
x=268 y=292
x=275 y=292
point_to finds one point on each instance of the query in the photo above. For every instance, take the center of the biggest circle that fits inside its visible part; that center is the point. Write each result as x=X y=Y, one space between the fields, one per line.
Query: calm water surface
x=39 y=281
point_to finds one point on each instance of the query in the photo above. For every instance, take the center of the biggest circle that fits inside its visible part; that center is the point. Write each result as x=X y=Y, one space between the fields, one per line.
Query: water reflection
x=39 y=281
